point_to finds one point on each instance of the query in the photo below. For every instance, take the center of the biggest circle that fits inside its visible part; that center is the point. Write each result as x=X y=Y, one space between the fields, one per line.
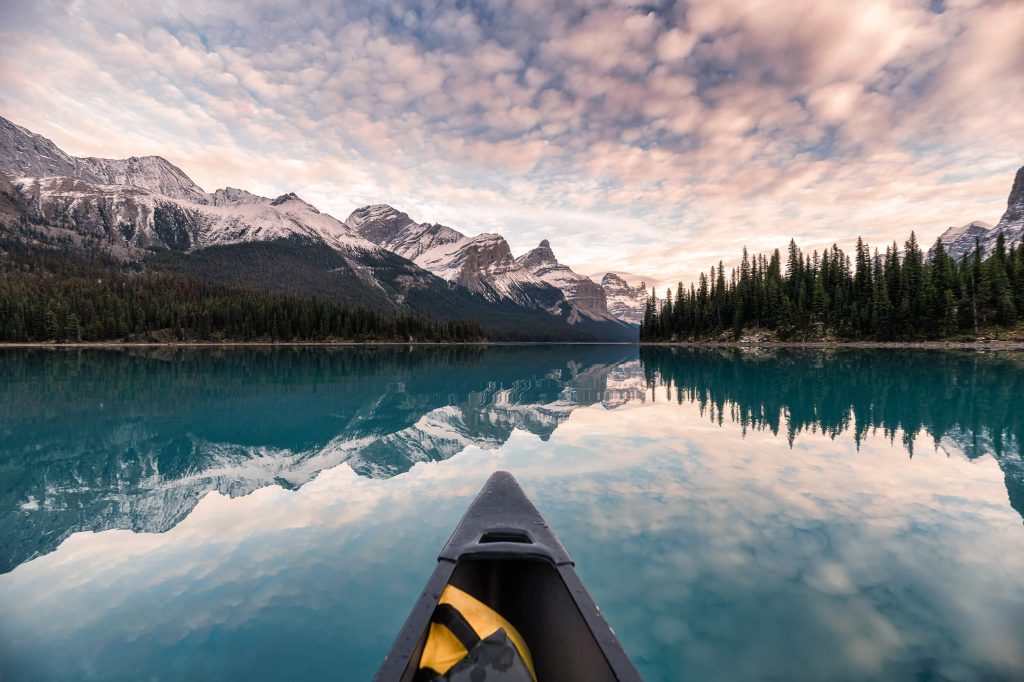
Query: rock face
x=1013 y=220
x=24 y=153
x=625 y=301
x=578 y=289
x=27 y=154
x=960 y=241
x=153 y=173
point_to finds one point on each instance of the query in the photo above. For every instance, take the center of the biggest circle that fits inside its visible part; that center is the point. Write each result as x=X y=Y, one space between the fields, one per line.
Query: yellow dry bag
x=465 y=636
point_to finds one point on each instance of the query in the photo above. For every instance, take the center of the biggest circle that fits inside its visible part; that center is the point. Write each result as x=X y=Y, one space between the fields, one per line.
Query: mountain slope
x=380 y=281
x=959 y=241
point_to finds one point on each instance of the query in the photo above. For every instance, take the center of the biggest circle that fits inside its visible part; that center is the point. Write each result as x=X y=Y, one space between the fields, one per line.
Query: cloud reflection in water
x=721 y=552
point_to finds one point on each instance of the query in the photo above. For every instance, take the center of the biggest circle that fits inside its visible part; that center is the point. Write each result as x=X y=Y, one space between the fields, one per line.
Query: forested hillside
x=47 y=295
x=892 y=296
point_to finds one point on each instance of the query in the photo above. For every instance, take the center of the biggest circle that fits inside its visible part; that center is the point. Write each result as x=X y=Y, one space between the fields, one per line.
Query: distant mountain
x=960 y=241
x=145 y=210
x=580 y=290
x=625 y=302
x=484 y=264
x=134 y=219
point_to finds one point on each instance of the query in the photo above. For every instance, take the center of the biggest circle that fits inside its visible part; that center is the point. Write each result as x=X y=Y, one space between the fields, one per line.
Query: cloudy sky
x=648 y=138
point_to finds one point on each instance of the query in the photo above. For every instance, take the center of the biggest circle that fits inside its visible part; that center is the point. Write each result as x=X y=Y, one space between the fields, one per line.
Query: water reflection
x=736 y=515
x=93 y=440
x=968 y=402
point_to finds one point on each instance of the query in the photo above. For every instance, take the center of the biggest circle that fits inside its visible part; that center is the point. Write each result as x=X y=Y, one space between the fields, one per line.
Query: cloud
x=643 y=138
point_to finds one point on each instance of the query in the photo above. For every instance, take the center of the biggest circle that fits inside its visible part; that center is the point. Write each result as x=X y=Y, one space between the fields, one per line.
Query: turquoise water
x=273 y=514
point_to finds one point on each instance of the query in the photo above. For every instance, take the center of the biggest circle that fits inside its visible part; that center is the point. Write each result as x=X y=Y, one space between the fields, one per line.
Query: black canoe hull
x=503 y=553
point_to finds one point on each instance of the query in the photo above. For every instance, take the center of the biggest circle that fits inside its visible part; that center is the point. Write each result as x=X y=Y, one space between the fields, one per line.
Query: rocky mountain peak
x=380 y=223
x=540 y=257
x=27 y=154
x=153 y=173
x=960 y=241
x=611 y=279
x=291 y=198
x=232 y=196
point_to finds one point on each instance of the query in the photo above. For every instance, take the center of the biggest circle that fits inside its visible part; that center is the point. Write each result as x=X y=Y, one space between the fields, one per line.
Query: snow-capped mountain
x=483 y=264
x=153 y=173
x=134 y=218
x=27 y=154
x=578 y=289
x=141 y=208
x=146 y=202
x=960 y=241
x=625 y=302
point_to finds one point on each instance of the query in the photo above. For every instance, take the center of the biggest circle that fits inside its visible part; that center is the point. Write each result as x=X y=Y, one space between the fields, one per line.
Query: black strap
x=448 y=616
x=426 y=675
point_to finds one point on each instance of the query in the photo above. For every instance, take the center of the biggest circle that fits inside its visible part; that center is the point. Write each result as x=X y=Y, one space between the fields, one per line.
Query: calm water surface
x=273 y=514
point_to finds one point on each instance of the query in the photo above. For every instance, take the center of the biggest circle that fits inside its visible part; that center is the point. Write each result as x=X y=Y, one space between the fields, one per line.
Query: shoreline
x=294 y=344
x=992 y=344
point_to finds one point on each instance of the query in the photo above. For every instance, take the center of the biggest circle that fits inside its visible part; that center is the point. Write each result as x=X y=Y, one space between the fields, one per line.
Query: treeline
x=45 y=297
x=887 y=297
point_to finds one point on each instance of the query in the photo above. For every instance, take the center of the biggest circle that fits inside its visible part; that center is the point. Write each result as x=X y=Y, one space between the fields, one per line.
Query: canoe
x=505 y=555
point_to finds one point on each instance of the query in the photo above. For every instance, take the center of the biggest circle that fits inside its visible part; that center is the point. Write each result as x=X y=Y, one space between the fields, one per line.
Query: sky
x=652 y=138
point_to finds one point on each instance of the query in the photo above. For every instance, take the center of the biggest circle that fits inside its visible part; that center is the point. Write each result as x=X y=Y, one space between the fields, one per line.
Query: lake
x=273 y=513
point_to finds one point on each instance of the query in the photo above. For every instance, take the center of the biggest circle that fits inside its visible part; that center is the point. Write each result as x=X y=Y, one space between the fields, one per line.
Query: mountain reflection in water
x=95 y=440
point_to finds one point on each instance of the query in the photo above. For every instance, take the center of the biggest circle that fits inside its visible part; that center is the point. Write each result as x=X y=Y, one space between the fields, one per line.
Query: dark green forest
x=47 y=296
x=895 y=296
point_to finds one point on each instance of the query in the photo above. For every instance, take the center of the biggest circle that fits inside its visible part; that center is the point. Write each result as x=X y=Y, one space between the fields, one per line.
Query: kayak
x=504 y=583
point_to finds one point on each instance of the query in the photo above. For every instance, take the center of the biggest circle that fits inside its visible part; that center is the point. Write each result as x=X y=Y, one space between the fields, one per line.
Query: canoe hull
x=503 y=553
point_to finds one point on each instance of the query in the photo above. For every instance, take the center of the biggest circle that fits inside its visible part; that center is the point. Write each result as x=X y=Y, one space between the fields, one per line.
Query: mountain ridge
x=142 y=209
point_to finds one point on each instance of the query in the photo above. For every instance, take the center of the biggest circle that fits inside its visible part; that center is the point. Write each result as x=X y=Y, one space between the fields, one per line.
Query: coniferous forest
x=899 y=295
x=46 y=296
